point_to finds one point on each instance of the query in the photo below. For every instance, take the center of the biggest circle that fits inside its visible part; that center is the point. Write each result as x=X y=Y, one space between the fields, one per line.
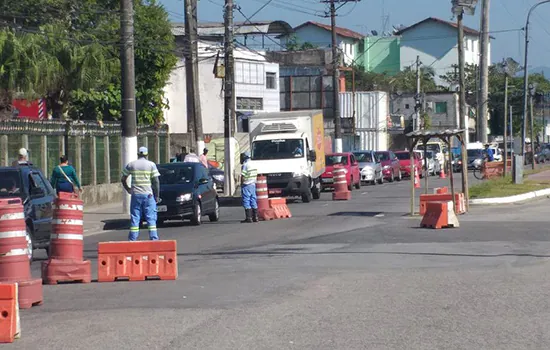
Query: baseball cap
x=144 y=151
x=23 y=152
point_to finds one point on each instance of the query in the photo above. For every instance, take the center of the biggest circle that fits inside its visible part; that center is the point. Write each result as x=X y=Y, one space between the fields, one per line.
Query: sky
x=507 y=18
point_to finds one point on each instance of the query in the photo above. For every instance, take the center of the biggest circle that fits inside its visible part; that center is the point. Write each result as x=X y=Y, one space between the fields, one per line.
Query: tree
x=294 y=44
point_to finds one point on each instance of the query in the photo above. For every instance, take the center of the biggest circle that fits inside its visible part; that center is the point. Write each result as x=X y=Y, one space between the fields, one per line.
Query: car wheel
x=215 y=216
x=30 y=245
x=381 y=180
x=400 y=177
x=392 y=177
x=373 y=182
x=350 y=186
x=316 y=192
x=160 y=223
x=307 y=196
x=358 y=185
x=197 y=215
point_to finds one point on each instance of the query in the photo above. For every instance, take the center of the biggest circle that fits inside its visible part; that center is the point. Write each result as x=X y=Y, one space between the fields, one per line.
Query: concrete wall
x=380 y=54
x=449 y=120
x=436 y=44
x=102 y=194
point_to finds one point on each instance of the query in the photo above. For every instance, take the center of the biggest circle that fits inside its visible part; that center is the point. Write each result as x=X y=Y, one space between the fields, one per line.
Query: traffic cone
x=442 y=173
x=416 y=179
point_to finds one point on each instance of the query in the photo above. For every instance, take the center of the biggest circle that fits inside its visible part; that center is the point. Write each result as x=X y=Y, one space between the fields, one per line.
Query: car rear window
x=383 y=156
x=10 y=184
x=336 y=159
x=364 y=157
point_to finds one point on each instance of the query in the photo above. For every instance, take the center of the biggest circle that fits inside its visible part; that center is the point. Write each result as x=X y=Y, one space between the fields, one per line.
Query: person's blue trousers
x=143 y=204
x=248 y=193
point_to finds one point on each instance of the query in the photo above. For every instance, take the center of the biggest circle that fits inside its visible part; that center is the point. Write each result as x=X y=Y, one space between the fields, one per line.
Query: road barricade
x=341 y=192
x=279 y=207
x=491 y=170
x=10 y=328
x=460 y=207
x=66 y=263
x=439 y=214
x=262 y=196
x=137 y=261
x=441 y=190
x=14 y=253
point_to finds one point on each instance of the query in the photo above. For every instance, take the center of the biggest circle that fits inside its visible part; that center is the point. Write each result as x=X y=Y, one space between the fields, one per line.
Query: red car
x=347 y=161
x=390 y=165
x=405 y=162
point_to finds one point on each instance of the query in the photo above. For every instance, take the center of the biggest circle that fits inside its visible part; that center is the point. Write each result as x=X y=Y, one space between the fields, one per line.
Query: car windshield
x=383 y=156
x=176 y=175
x=10 y=184
x=364 y=157
x=430 y=154
x=277 y=149
x=336 y=159
x=475 y=153
x=403 y=155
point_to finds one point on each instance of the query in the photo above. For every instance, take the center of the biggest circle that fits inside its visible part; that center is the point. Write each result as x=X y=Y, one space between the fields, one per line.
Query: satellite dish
x=374 y=32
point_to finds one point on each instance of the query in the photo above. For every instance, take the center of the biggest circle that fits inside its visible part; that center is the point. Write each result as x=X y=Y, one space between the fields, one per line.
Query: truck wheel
x=307 y=196
x=316 y=191
x=358 y=185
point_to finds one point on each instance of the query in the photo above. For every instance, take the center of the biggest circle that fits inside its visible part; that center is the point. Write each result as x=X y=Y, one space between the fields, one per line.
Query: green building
x=379 y=54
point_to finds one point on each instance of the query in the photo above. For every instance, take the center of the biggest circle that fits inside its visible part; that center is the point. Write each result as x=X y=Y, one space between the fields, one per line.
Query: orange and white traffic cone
x=442 y=173
x=416 y=179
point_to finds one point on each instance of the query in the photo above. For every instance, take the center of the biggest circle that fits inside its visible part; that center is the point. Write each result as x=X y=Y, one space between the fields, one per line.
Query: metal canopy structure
x=424 y=136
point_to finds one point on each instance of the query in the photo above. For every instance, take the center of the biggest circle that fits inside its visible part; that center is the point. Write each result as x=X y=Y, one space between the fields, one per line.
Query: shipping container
x=370 y=120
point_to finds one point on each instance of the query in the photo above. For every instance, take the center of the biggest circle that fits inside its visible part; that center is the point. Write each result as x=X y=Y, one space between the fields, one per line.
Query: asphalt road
x=338 y=275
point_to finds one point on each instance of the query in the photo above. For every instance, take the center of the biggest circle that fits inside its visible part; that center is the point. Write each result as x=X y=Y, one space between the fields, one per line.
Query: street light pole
x=526 y=75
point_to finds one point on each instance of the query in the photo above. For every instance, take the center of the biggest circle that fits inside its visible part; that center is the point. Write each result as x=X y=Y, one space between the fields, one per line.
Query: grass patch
x=504 y=187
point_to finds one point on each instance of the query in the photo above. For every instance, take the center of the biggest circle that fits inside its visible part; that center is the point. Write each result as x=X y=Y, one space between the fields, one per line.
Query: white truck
x=288 y=148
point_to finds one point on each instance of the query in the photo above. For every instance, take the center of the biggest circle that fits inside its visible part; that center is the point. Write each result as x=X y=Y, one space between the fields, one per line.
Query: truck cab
x=286 y=149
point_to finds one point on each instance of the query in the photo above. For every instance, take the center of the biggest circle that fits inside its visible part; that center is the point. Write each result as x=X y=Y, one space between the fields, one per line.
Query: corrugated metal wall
x=371 y=113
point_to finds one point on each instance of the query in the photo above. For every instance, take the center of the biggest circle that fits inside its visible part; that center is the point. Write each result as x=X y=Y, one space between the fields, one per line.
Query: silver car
x=370 y=167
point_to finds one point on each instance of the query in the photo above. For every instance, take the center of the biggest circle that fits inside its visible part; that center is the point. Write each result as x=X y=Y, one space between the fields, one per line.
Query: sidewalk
x=99 y=219
x=543 y=176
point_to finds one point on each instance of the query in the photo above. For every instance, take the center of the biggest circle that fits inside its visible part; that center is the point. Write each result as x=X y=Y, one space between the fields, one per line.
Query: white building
x=256 y=88
x=435 y=41
x=319 y=35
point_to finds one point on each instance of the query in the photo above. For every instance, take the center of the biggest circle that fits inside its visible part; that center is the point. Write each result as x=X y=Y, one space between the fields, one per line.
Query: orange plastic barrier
x=492 y=170
x=14 y=253
x=439 y=214
x=9 y=313
x=441 y=190
x=341 y=192
x=264 y=210
x=279 y=207
x=460 y=207
x=66 y=263
x=137 y=261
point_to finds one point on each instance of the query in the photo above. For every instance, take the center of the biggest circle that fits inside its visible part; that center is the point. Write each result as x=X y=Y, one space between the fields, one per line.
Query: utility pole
x=505 y=156
x=194 y=117
x=484 y=72
x=416 y=122
x=129 y=119
x=463 y=118
x=531 y=117
x=335 y=82
x=229 y=100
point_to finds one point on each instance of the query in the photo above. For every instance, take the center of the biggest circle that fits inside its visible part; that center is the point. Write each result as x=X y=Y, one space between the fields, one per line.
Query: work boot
x=255 y=215
x=248 y=216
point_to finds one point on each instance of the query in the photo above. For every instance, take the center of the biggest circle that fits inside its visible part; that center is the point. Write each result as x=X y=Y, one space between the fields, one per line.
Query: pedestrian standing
x=145 y=194
x=64 y=177
x=204 y=158
x=22 y=158
x=248 y=189
x=192 y=157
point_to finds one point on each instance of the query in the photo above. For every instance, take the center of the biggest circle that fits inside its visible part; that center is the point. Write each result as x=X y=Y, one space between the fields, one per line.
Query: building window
x=249 y=73
x=250 y=103
x=441 y=107
x=271 y=81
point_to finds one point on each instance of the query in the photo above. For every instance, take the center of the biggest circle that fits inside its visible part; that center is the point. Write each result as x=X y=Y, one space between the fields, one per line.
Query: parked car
x=29 y=184
x=186 y=193
x=369 y=166
x=349 y=163
x=218 y=176
x=390 y=165
x=404 y=158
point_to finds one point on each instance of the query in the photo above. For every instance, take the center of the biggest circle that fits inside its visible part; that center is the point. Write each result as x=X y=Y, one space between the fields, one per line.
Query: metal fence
x=94 y=149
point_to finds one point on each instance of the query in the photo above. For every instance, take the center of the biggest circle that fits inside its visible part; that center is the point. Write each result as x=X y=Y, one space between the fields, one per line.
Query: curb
x=512 y=199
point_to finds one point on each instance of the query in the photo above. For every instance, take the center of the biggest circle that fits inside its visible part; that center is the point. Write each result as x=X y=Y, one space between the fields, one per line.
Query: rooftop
x=206 y=29
x=467 y=30
x=339 y=30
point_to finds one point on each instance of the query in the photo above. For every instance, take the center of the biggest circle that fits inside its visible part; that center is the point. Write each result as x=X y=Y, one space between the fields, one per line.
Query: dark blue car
x=29 y=184
x=187 y=192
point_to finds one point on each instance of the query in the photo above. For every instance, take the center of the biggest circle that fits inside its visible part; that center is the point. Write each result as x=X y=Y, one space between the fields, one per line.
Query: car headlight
x=367 y=170
x=386 y=167
x=182 y=198
x=218 y=177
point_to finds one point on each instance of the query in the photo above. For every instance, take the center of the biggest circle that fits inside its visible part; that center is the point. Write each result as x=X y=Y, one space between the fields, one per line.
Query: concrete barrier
x=102 y=194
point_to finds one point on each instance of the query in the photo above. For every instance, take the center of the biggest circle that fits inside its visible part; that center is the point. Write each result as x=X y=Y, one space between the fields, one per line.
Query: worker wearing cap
x=248 y=189
x=145 y=194
x=22 y=158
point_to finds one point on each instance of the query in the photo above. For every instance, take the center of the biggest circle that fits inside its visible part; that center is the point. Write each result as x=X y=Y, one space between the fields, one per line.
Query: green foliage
x=403 y=82
x=68 y=51
x=293 y=44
